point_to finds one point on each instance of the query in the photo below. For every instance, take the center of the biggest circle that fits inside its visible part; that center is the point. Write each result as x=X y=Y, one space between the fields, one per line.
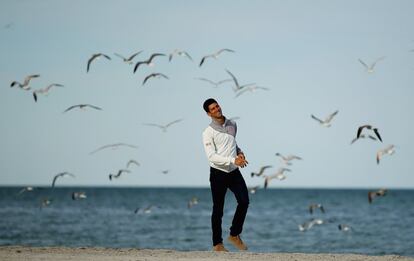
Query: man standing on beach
x=225 y=158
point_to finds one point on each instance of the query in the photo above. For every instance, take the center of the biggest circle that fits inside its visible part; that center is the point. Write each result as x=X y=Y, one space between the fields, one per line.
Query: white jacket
x=220 y=145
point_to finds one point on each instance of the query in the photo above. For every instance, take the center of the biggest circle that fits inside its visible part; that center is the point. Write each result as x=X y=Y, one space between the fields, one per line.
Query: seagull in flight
x=61 y=175
x=45 y=90
x=344 y=227
x=193 y=201
x=129 y=59
x=261 y=171
x=96 y=56
x=179 y=53
x=254 y=189
x=155 y=75
x=25 y=84
x=26 y=189
x=315 y=206
x=215 y=84
x=370 y=69
x=132 y=162
x=251 y=88
x=374 y=194
x=363 y=136
x=327 y=121
x=287 y=159
x=146 y=210
x=369 y=127
x=163 y=127
x=238 y=87
x=278 y=175
x=214 y=55
x=308 y=225
x=388 y=150
x=82 y=106
x=78 y=195
x=118 y=174
x=114 y=146
x=148 y=62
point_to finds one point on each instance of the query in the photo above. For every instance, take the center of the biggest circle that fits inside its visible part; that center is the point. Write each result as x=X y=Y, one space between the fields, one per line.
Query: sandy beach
x=90 y=253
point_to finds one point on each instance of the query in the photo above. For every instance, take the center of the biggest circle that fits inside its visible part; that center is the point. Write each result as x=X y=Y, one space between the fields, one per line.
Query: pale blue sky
x=306 y=52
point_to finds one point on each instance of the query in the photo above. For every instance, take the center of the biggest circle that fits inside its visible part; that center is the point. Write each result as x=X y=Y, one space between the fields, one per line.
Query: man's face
x=214 y=110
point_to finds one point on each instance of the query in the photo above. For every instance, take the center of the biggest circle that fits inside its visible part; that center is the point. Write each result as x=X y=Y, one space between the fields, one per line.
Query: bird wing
x=207 y=80
x=202 y=60
x=35 y=96
x=379 y=59
x=133 y=56
x=234 y=79
x=71 y=107
x=377 y=133
x=155 y=55
x=262 y=169
x=120 y=56
x=28 y=78
x=313 y=117
x=154 y=125
x=364 y=64
x=330 y=117
x=171 y=123
x=138 y=64
x=223 y=81
x=93 y=106
x=148 y=77
x=224 y=50
x=94 y=56
x=187 y=55
x=132 y=161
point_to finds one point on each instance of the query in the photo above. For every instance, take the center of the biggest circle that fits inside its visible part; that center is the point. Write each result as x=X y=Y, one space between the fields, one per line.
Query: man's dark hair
x=207 y=103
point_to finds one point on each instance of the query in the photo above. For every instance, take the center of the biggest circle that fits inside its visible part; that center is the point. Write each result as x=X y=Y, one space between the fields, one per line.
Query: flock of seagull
x=363 y=131
x=238 y=89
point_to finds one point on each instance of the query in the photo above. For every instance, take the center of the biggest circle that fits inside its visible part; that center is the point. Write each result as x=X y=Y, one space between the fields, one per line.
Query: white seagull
x=261 y=171
x=129 y=59
x=118 y=174
x=25 y=84
x=148 y=62
x=114 y=146
x=179 y=53
x=278 y=175
x=327 y=121
x=216 y=84
x=193 y=201
x=250 y=88
x=253 y=190
x=369 y=127
x=163 y=127
x=96 y=56
x=61 y=175
x=78 y=195
x=308 y=225
x=28 y=189
x=388 y=150
x=344 y=227
x=45 y=90
x=214 y=55
x=82 y=106
x=287 y=159
x=238 y=87
x=132 y=162
x=155 y=75
x=370 y=69
x=315 y=206
x=374 y=194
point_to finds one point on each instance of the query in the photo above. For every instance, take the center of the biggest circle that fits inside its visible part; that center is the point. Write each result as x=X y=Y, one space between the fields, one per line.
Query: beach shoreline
x=14 y=253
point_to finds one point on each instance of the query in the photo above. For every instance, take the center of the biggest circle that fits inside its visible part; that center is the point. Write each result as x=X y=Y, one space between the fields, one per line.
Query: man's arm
x=210 y=150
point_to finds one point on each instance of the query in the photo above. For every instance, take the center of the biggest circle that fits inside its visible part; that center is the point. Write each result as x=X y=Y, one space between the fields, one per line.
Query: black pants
x=219 y=183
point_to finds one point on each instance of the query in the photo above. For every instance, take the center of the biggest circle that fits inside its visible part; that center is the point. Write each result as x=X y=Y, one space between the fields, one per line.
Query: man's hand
x=241 y=161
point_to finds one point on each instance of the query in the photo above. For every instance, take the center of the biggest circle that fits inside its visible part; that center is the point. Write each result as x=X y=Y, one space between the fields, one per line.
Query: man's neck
x=220 y=120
